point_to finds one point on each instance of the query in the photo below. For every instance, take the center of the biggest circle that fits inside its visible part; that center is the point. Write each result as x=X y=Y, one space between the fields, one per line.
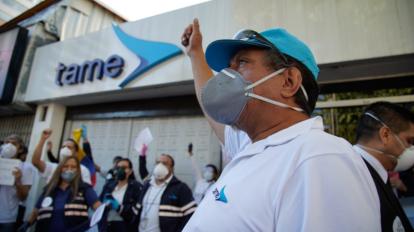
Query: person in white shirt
x=205 y=179
x=69 y=148
x=11 y=196
x=294 y=176
x=385 y=137
x=32 y=172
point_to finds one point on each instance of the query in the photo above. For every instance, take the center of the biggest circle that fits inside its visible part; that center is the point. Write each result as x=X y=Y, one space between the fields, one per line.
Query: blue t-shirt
x=57 y=221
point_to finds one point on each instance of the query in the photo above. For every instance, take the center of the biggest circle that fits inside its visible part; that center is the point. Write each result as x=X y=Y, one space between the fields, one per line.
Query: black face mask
x=120 y=174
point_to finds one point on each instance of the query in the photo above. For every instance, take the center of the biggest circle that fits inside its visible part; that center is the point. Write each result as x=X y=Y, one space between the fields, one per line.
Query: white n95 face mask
x=65 y=152
x=8 y=150
x=160 y=171
x=406 y=159
x=226 y=94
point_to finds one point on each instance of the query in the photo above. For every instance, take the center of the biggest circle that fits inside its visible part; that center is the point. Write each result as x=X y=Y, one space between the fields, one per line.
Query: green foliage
x=343 y=121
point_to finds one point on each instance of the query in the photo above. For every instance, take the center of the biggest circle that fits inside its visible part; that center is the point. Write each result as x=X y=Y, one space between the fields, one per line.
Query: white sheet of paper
x=6 y=168
x=97 y=216
x=144 y=137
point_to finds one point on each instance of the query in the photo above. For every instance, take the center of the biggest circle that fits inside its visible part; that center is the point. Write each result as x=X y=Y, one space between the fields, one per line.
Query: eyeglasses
x=249 y=34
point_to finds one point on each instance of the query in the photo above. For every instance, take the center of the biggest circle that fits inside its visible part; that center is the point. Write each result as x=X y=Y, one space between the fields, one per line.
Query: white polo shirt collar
x=283 y=136
x=373 y=162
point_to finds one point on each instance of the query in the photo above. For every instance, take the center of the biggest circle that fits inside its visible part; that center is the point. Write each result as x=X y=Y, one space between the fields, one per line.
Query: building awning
x=368 y=74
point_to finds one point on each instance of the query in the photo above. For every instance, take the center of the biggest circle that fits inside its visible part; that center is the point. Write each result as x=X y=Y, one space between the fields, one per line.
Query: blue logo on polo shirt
x=173 y=197
x=150 y=53
x=220 y=196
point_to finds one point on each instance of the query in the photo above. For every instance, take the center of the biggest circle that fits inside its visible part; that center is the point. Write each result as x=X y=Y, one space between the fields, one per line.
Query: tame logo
x=74 y=73
x=220 y=195
x=149 y=54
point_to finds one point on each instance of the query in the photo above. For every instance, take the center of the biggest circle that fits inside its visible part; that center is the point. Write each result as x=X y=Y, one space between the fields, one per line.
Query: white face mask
x=64 y=152
x=8 y=150
x=406 y=159
x=208 y=175
x=160 y=171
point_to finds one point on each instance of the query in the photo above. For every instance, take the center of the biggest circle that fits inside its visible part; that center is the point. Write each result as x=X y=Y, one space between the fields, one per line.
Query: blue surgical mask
x=226 y=94
x=68 y=175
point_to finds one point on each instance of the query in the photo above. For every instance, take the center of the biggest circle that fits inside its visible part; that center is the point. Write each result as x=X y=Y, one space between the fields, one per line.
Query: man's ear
x=384 y=134
x=292 y=82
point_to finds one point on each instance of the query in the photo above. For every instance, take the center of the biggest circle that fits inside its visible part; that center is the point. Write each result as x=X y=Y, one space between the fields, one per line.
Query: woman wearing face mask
x=205 y=179
x=64 y=204
x=122 y=193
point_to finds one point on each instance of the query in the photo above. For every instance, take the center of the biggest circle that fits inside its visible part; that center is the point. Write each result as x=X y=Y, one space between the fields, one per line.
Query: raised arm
x=50 y=155
x=196 y=169
x=143 y=171
x=192 y=40
x=37 y=154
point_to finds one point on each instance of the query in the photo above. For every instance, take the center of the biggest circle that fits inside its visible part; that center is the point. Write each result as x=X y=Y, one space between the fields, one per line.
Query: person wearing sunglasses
x=385 y=137
x=292 y=176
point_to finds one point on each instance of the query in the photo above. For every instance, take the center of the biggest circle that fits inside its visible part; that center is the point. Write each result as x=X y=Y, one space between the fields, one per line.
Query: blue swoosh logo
x=150 y=53
x=220 y=196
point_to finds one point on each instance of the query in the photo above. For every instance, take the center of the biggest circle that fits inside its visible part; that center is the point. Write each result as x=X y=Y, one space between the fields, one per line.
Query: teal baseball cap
x=220 y=52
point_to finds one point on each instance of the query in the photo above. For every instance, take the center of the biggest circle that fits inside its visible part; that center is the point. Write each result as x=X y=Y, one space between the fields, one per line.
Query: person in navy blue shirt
x=121 y=194
x=64 y=204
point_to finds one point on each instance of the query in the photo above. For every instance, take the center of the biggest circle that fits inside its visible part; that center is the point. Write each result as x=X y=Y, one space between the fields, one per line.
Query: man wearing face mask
x=385 y=135
x=166 y=203
x=46 y=169
x=291 y=178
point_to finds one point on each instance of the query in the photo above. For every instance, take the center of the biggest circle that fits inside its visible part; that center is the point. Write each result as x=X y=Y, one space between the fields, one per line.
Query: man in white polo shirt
x=294 y=176
x=46 y=169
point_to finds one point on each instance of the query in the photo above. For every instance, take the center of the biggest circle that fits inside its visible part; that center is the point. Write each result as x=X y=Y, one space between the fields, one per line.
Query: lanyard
x=149 y=204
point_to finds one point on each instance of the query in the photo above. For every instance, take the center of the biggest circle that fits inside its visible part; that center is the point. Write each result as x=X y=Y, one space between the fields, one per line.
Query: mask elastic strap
x=370 y=149
x=376 y=118
x=380 y=121
x=252 y=95
x=251 y=86
x=228 y=73
x=304 y=93
x=399 y=140
x=267 y=78
x=376 y=150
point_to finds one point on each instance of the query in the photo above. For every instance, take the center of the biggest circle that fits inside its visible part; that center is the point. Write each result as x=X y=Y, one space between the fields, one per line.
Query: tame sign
x=96 y=69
